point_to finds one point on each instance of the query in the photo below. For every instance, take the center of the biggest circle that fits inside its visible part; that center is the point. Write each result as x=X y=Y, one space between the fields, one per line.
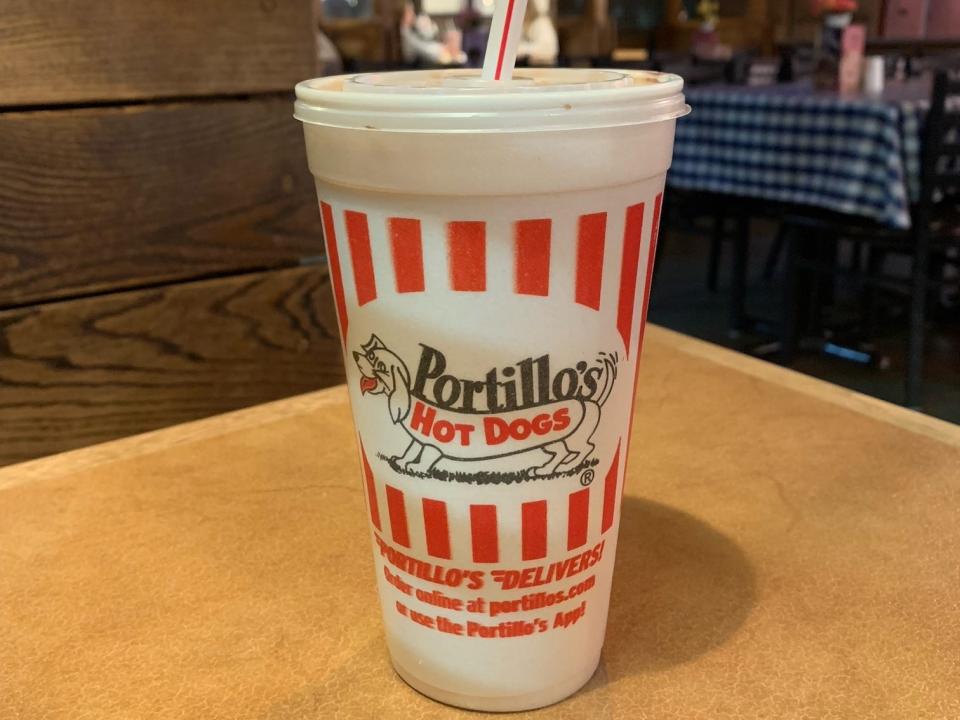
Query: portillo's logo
x=529 y=408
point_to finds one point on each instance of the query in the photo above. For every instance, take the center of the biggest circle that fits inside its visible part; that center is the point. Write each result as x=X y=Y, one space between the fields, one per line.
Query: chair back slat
x=951 y=136
x=953 y=77
x=940 y=173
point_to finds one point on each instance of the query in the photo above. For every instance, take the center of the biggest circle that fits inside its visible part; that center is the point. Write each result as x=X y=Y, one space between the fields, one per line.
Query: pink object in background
x=907 y=18
x=943 y=19
x=851 y=58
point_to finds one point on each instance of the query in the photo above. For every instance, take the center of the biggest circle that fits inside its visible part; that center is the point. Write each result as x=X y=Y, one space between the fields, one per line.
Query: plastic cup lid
x=460 y=101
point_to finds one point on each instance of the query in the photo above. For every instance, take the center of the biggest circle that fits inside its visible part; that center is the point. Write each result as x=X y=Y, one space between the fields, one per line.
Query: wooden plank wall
x=90 y=50
x=160 y=247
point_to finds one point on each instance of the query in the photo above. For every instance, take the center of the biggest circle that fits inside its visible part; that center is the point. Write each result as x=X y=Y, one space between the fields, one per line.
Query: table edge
x=904 y=418
x=72 y=461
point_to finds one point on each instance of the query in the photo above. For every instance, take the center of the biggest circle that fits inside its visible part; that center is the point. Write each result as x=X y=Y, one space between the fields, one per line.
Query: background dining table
x=789 y=143
x=788 y=549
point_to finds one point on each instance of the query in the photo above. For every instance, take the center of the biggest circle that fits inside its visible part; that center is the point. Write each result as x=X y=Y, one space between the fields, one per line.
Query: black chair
x=796 y=62
x=935 y=227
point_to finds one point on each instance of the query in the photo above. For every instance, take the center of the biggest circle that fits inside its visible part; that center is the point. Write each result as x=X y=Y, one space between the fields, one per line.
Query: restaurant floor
x=681 y=301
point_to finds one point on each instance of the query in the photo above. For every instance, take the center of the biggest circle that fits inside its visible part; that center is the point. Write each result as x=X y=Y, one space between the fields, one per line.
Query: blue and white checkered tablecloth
x=788 y=143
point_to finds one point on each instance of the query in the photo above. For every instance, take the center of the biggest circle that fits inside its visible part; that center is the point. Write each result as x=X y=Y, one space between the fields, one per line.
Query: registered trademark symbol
x=587 y=477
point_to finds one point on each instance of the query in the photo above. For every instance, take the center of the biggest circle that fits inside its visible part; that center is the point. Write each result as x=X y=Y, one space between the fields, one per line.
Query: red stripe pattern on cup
x=436 y=528
x=333 y=260
x=371 y=489
x=487 y=543
x=397 y=509
x=591 y=235
x=358 y=236
x=467 y=253
x=483 y=533
x=651 y=256
x=534 y=530
x=632 y=238
x=610 y=492
x=467 y=260
x=578 y=517
x=406 y=249
x=532 y=257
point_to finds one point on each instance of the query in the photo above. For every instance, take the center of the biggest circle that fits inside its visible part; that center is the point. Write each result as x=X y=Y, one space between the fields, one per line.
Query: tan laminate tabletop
x=788 y=550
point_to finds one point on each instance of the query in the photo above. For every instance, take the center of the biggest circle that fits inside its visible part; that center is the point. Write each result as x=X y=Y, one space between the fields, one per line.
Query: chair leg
x=791 y=296
x=773 y=257
x=869 y=309
x=831 y=259
x=738 y=286
x=716 y=250
x=858 y=249
x=824 y=255
x=918 y=299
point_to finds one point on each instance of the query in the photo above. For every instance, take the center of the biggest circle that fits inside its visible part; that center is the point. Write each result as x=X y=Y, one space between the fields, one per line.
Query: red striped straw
x=505 y=32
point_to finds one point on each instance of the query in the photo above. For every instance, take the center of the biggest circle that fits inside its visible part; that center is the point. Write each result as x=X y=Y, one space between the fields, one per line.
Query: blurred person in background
x=475 y=28
x=329 y=61
x=539 y=44
x=422 y=43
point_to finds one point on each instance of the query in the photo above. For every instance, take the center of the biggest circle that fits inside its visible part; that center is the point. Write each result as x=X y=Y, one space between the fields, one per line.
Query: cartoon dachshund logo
x=568 y=424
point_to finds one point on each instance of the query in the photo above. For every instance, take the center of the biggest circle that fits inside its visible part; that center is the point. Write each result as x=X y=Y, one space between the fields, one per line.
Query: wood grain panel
x=106 y=198
x=96 y=50
x=84 y=371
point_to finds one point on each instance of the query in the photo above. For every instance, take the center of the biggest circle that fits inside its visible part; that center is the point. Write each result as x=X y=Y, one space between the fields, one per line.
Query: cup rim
x=606 y=98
